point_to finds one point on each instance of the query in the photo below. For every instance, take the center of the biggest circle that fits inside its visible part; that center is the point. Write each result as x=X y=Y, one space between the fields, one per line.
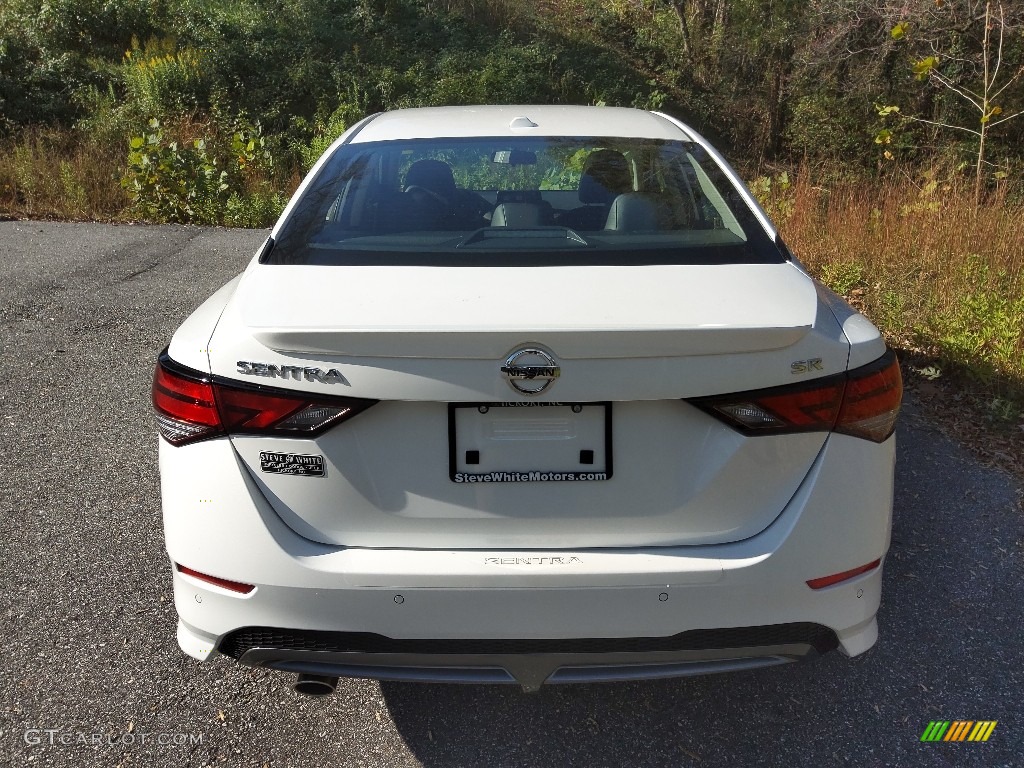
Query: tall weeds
x=933 y=271
x=58 y=173
x=500 y=13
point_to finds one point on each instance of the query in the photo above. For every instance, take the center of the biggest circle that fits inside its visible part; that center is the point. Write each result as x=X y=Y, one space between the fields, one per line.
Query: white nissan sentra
x=525 y=395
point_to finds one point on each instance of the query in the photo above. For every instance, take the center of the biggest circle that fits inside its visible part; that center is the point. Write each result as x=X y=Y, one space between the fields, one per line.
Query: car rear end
x=485 y=448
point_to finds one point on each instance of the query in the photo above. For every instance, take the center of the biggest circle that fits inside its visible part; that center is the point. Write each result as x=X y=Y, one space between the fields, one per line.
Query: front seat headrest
x=433 y=175
x=605 y=176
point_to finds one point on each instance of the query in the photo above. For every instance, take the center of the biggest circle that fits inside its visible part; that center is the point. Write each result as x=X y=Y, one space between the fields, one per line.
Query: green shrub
x=325 y=131
x=257 y=208
x=842 y=276
x=207 y=181
x=170 y=182
x=161 y=80
x=985 y=332
x=822 y=125
x=775 y=195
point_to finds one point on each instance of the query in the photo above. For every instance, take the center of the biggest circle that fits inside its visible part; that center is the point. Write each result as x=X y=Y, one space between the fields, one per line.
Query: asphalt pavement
x=92 y=675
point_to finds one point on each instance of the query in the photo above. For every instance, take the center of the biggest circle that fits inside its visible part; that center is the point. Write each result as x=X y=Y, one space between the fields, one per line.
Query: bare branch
x=984 y=58
x=999 y=51
x=943 y=125
x=1004 y=119
x=966 y=93
x=1008 y=83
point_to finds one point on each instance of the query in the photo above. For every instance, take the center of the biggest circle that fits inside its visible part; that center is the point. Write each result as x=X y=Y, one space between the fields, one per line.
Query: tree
x=972 y=77
x=700 y=21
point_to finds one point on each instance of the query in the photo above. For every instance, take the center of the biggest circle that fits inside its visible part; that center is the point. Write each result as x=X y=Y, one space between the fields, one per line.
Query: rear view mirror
x=514 y=157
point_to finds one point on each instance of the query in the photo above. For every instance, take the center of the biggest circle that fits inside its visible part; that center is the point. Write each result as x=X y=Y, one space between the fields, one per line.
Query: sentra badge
x=298 y=372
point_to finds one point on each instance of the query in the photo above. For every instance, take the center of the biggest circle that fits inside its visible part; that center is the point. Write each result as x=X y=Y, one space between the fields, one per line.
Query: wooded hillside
x=769 y=79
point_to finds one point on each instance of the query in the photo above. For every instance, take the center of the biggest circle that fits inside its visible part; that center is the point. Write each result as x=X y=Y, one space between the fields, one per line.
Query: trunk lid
x=637 y=340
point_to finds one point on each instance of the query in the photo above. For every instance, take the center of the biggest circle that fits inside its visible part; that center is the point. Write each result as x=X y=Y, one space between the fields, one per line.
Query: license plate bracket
x=529 y=442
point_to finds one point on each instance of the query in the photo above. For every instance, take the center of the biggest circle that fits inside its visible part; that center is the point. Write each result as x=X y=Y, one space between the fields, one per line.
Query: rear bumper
x=409 y=601
x=529 y=663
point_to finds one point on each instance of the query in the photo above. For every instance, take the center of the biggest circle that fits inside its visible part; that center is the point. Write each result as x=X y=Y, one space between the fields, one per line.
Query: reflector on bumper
x=835 y=578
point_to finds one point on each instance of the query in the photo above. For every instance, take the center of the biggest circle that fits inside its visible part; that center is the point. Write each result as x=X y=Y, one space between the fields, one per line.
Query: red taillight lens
x=189 y=407
x=810 y=407
x=244 y=409
x=262 y=412
x=800 y=410
x=836 y=578
x=185 y=406
x=863 y=403
x=872 y=401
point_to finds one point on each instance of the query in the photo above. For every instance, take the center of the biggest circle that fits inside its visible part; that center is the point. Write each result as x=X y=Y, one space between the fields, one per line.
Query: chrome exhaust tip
x=315 y=685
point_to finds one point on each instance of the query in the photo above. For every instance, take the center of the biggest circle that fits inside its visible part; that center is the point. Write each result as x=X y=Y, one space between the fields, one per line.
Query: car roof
x=519 y=121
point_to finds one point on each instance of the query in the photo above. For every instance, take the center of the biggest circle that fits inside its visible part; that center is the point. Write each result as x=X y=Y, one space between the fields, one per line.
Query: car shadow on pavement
x=950 y=648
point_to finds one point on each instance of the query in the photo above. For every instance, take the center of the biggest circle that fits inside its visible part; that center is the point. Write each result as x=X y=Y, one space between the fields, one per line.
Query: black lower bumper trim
x=237 y=643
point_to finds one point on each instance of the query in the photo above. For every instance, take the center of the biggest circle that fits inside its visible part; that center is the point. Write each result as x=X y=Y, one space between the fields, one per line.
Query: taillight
x=872 y=400
x=863 y=403
x=265 y=411
x=185 y=406
x=191 y=406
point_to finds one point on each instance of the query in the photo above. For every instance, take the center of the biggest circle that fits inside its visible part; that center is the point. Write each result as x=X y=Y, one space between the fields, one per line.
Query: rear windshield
x=530 y=202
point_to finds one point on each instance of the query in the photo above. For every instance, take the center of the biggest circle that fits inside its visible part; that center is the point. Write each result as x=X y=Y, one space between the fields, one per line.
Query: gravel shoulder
x=89 y=624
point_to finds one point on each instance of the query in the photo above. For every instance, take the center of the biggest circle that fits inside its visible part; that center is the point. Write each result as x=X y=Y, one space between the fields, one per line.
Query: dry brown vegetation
x=57 y=173
x=941 y=277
